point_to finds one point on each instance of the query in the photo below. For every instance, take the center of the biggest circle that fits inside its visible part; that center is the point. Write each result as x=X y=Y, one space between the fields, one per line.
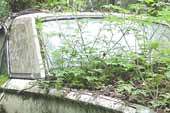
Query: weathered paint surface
x=24 y=50
x=35 y=104
x=75 y=101
x=29 y=87
x=114 y=104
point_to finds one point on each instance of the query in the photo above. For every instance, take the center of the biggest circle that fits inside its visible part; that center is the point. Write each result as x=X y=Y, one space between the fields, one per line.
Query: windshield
x=68 y=41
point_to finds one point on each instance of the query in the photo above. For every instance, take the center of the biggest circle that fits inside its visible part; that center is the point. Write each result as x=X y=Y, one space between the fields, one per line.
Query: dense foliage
x=4 y=8
x=56 y=5
x=141 y=77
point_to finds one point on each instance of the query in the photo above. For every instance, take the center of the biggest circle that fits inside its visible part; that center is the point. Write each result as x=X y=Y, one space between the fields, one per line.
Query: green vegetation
x=141 y=77
x=129 y=74
x=3 y=79
x=56 y=5
x=3 y=8
x=151 y=7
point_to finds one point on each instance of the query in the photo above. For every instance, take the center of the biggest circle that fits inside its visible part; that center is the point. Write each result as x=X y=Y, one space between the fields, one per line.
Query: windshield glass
x=68 y=41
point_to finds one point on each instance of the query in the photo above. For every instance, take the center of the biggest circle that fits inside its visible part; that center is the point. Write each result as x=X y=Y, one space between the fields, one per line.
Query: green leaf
x=115 y=8
x=113 y=18
x=3 y=79
x=154 y=44
x=38 y=23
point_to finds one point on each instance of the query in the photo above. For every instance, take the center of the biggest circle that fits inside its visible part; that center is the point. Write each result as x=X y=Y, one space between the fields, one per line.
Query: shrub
x=4 y=9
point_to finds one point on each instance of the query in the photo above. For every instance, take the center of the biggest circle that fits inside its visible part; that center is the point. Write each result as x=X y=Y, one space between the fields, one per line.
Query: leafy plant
x=4 y=8
x=152 y=7
x=139 y=74
x=115 y=8
x=3 y=79
x=162 y=101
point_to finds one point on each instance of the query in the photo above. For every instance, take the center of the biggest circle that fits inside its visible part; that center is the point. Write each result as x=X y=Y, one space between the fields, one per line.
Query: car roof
x=68 y=15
